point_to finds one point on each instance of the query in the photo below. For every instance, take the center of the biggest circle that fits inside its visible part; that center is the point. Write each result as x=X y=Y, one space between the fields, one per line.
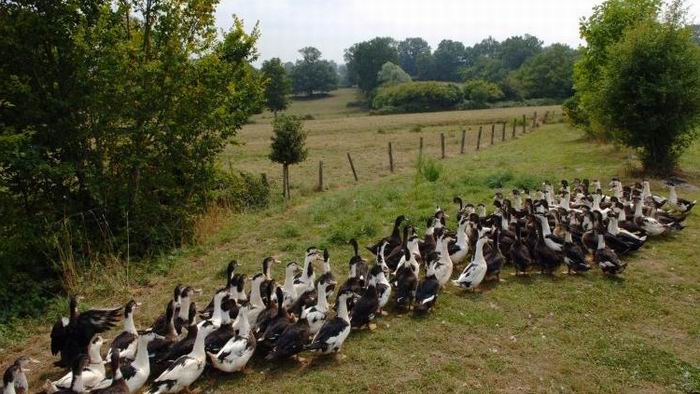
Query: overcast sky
x=333 y=25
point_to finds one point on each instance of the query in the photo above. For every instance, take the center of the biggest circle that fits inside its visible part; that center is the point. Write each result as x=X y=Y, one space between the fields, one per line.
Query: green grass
x=638 y=333
x=334 y=104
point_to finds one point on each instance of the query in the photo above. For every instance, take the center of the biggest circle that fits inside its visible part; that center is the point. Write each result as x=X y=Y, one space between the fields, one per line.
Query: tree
x=481 y=92
x=365 y=59
x=425 y=67
x=515 y=50
x=312 y=74
x=288 y=146
x=409 y=51
x=448 y=60
x=112 y=122
x=649 y=91
x=696 y=33
x=278 y=86
x=391 y=74
x=602 y=29
x=547 y=74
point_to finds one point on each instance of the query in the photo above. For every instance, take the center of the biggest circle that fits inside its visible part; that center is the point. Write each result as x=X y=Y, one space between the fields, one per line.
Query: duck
x=71 y=336
x=646 y=193
x=674 y=201
x=225 y=330
x=316 y=315
x=649 y=224
x=327 y=274
x=606 y=258
x=546 y=257
x=288 y=287
x=475 y=272
x=552 y=241
x=383 y=286
x=632 y=240
x=304 y=281
x=519 y=253
x=574 y=257
x=458 y=249
x=256 y=304
x=80 y=362
x=394 y=239
x=15 y=376
x=365 y=309
x=184 y=345
x=182 y=319
x=125 y=342
x=494 y=257
x=267 y=287
x=306 y=298
x=269 y=313
x=236 y=353
x=443 y=270
x=91 y=375
x=331 y=336
x=230 y=288
x=428 y=289
x=159 y=347
x=187 y=368
x=406 y=282
x=135 y=373
x=291 y=342
x=393 y=258
x=161 y=324
x=361 y=267
x=428 y=243
x=118 y=383
x=275 y=327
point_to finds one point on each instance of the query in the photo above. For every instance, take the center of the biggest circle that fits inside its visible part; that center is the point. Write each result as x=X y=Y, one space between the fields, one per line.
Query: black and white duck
x=230 y=288
x=649 y=224
x=288 y=289
x=428 y=289
x=546 y=257
x=361 y=267
x=307 y=297
x=632 y=240
x=304 y=281
x=316 y=315
x=184 y=345
x=159 y=347
x=443 y=270
x=394 y=239
x=334 y=332
x=126 y=341
x=91 y=375
x=552 y=241
x=161 y=324
x=676 y=202
x=327 y=274
x=182 y=319
x=428 y=243
x=268 y=286
x=291 y=342
x=270 y=312
x=458 y=249
x=275 y=327
x=474 y=273
x=606 y=258
x=225 y=330
x=187 y=368
x=76 y=385
x=495 y=260
x=383 y=286
x=118 y=383
x=71 y=336
x=406 y=282
x=394 y=257
x=256 y=304
x=15 y=376
x=574 y=257
x=365 y=309
x=236 y=353
x=520 y=255
x=136 y=372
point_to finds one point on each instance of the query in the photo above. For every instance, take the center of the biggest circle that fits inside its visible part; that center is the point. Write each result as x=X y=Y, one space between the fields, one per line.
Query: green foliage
x=278 y=85
x=312 y=74
x=429 y=169
x=481 y=92
x=240 y=191
x=365 y=59
x=448 y=59
x=288 y=141
x=418 y=97
x=547 y=74
x=410 y=50
x=391 y=74
x=112 y=122
x=649 y=92
x=516 y=50
x=498 y=180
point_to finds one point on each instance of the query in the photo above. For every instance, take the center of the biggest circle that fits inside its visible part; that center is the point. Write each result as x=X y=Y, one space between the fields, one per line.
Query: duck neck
x=217 y=315
x=198 y=348
x=343 y=310
x=322 y=302
x=242 y=325
x=479 y=254
x=672 y=196
x=462 y=236
x=94 y=354
x=517 y=203
x=621 y=214
x=565 y=202
x=545 y=227
x=638 y=209
x=326 y=266
x=288 y=282
x=267 y=269
x=596 y=202
x=646 y=191
x=601 y=241
x=255 y=297
x=184 y=308
x=612 y=226
x=141 y=360
x=129 y=325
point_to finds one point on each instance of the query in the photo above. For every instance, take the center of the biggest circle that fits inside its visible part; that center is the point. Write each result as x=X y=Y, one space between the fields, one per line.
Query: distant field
x=335 y=104
x=366 y=138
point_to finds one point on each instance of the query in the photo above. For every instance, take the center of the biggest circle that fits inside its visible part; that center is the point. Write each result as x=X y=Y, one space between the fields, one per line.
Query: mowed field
x=334 y=133
x=589 y=333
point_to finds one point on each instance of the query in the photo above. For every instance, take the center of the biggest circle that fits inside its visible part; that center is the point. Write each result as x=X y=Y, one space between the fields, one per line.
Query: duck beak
x=197 y=291
x=139 y=304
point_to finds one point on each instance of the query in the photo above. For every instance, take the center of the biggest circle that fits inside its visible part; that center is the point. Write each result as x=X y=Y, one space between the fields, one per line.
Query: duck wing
x=328 y=334
x=58 y=335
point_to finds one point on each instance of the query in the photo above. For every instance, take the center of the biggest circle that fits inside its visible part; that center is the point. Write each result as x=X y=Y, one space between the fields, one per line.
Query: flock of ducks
x=573 y=226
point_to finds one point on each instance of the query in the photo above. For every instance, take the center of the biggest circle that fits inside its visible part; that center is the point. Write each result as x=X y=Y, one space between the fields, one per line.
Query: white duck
x=239 y=349
x=256 y=304
x=136 y=373
x=316 y=315
x=474 y=273
x=332 y=335
x=186 y=369
x=91 y=375
x=443 y=273
x=290 y=291
x=458 y=250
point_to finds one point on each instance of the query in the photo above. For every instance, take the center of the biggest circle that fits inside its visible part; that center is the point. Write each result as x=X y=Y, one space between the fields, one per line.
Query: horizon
x=287 y=26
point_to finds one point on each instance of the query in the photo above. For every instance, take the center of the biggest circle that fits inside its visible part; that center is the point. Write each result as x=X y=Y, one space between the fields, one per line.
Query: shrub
x=430 y=169
x=482 y=92
x=240 y=191
x=499 y=179
x=418 y=97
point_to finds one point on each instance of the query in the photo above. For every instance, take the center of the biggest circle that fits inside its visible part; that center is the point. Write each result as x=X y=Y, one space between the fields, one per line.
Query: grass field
x=589 y=333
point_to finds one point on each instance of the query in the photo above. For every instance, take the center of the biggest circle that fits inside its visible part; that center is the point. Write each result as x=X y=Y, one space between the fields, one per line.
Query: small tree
x=481 y=92
x=313 y=74
x=288 y=146
x=278 y=85
x=392 y=74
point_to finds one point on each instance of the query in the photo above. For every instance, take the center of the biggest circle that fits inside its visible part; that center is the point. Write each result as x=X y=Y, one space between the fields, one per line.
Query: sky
x=333 y=25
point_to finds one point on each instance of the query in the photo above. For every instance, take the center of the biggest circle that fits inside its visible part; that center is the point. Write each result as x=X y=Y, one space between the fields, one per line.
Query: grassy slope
x=586 y=333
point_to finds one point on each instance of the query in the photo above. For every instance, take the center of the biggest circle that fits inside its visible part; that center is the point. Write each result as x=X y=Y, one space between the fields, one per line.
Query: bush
x=417 y=97
x=499 y=179
x=429 y=169
x=242 y=191
x=482 y=92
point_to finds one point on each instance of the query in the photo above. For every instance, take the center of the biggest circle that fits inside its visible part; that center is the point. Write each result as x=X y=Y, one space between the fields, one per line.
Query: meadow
x=589 y=333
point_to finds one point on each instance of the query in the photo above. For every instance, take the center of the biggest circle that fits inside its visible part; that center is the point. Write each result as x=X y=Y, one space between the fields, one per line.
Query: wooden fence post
x=352 y=167
x=442 y=144
x=534 y=120
x=391 y=159
x=478 y=139
x=420 y=147
x=524 y=124
x=464 y=137
x=515 y=123
x=503 y=132
x=320 y=175
x=546 y=115
x=493 y=131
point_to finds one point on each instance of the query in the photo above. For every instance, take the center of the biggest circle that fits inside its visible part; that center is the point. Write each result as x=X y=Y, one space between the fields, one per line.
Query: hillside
x=584 y=333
